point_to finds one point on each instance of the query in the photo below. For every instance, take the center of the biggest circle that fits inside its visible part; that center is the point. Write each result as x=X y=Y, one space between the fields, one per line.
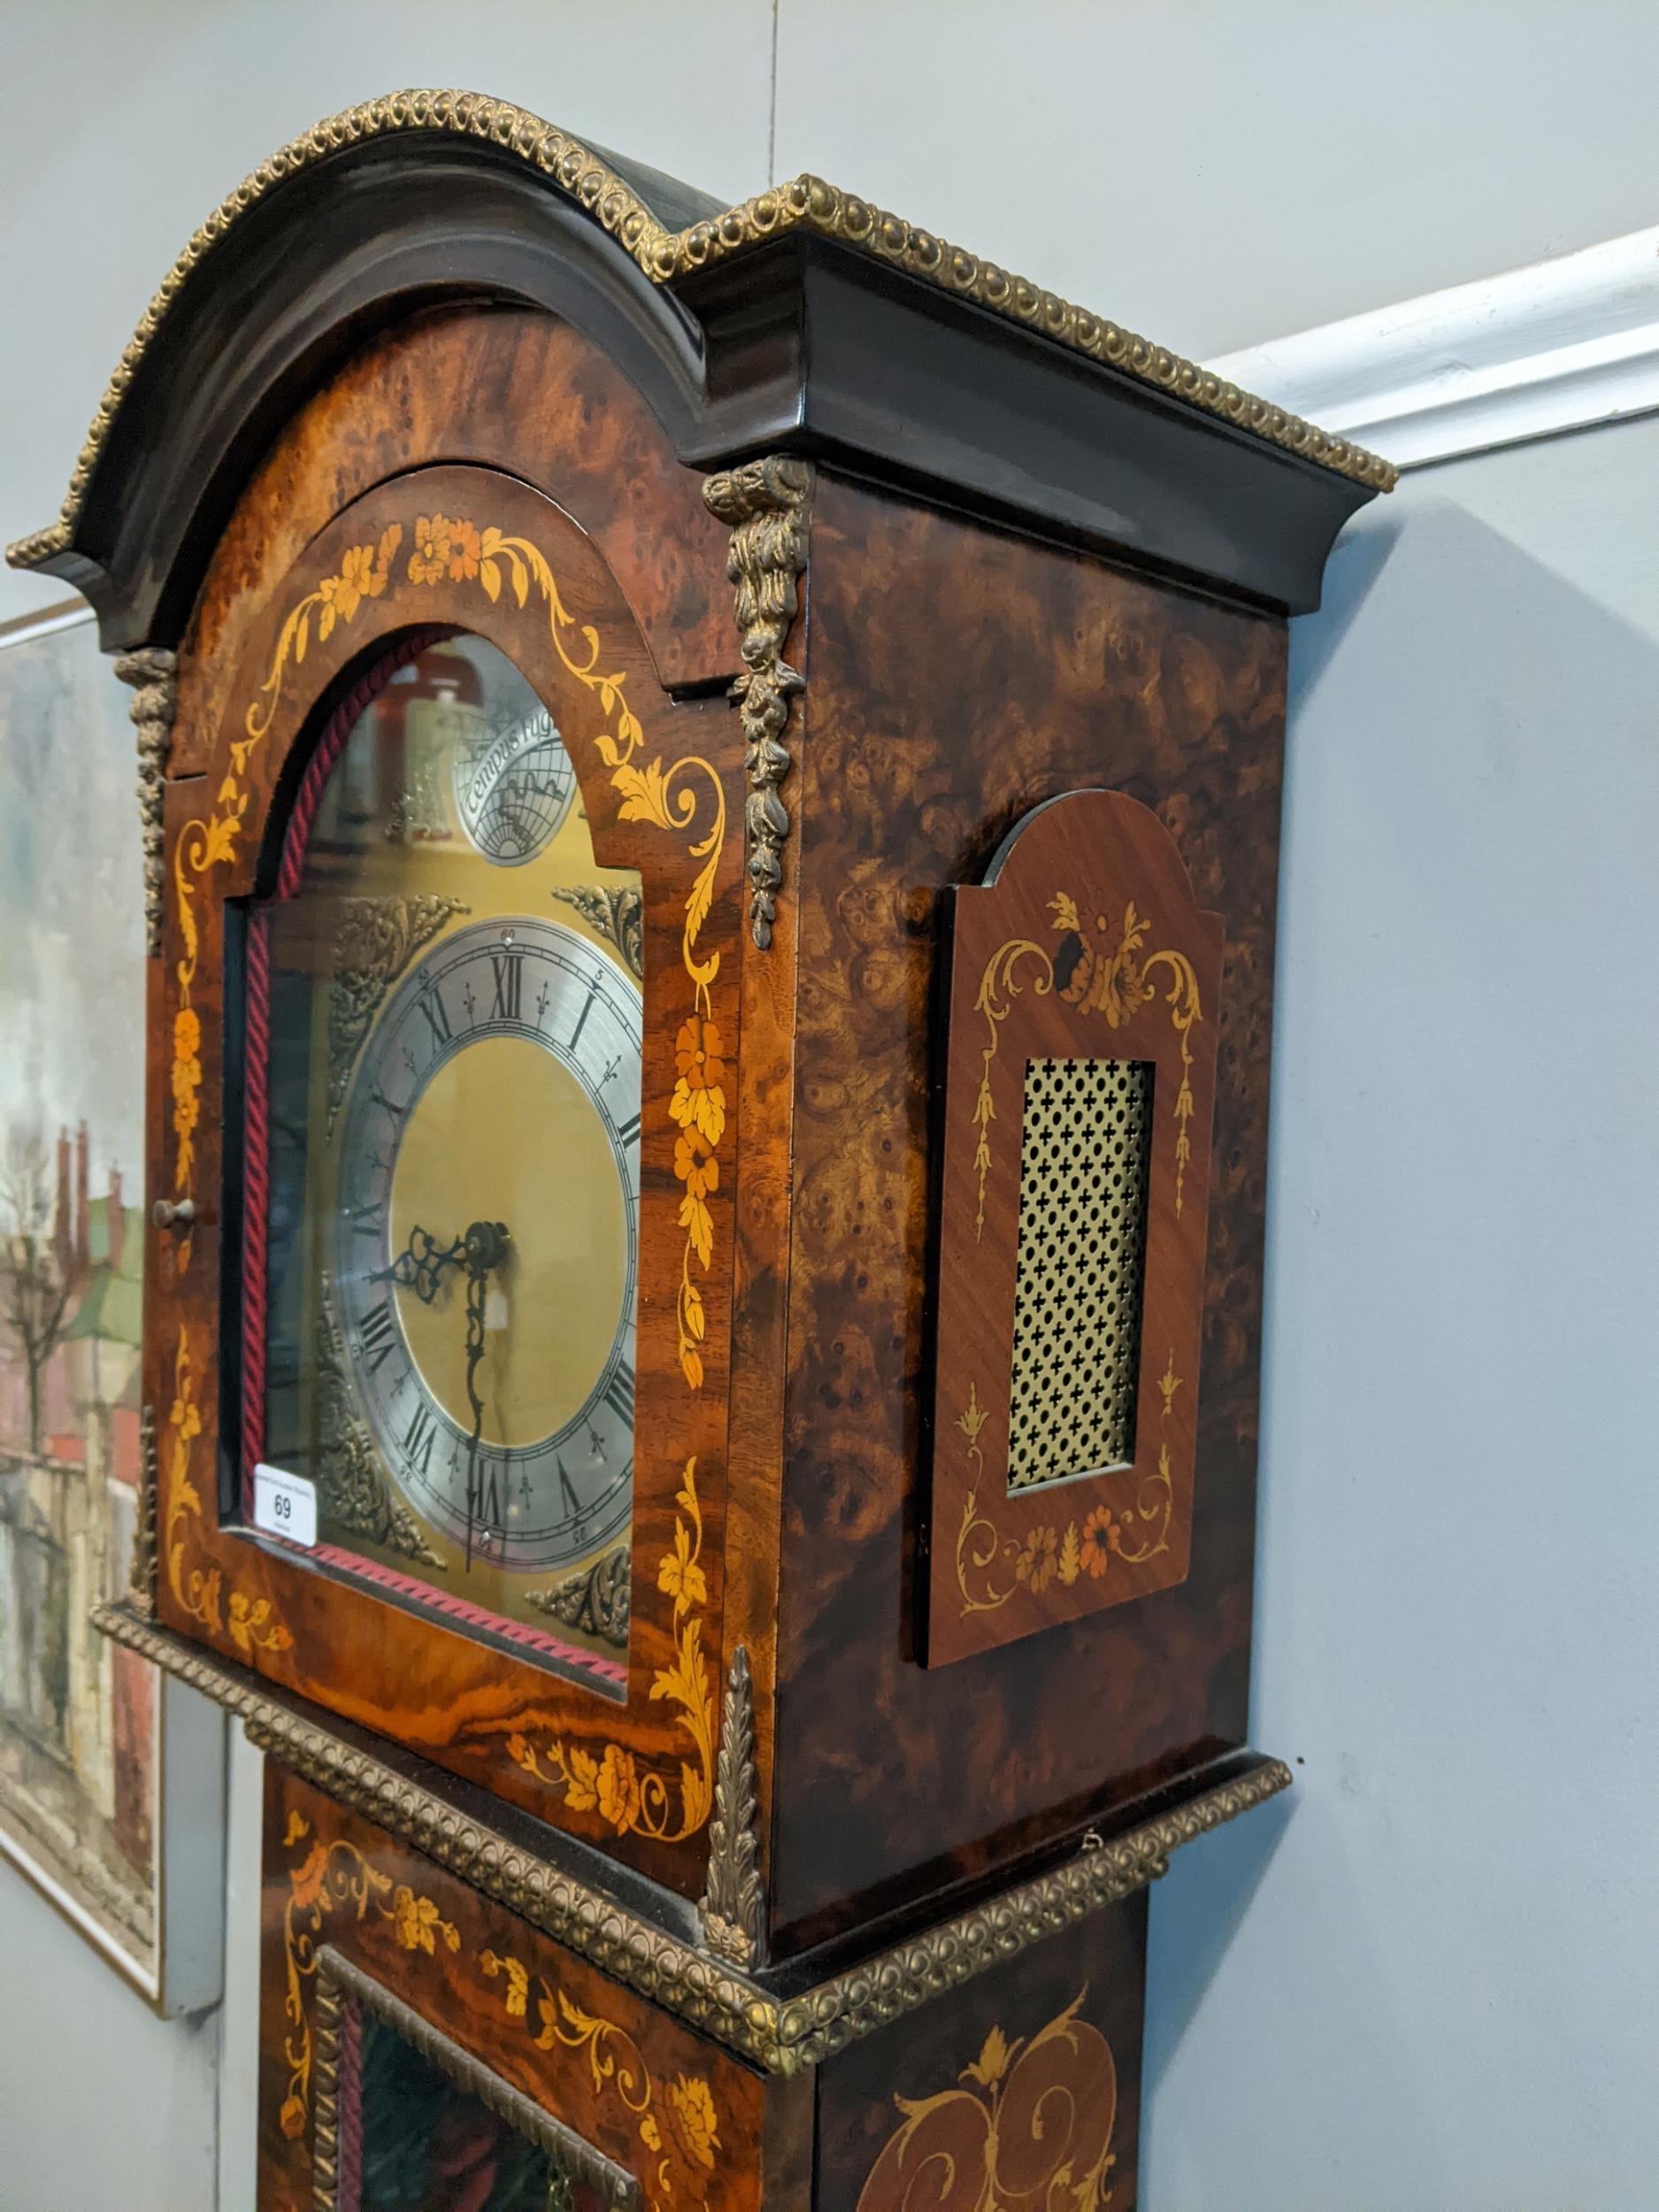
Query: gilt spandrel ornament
x=376 y=940
x=354 y=1492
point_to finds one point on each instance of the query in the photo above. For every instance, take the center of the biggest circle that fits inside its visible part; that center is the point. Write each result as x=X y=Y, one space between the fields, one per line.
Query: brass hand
x=420 y=1266
x=485 y=1248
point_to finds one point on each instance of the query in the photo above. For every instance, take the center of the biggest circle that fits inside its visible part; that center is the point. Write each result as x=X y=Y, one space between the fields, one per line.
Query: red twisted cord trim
x=348 y=2170
x=459 y=1609
x=257 y=1057
x=255 y=1183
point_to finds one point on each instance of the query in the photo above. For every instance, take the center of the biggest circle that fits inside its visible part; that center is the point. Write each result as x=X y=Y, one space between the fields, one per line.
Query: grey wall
x=101 y=2102
x=1442 y=1989
x=1430 y=1979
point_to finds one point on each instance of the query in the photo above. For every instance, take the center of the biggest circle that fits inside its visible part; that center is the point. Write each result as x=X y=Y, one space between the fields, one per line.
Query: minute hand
x=485 y=1245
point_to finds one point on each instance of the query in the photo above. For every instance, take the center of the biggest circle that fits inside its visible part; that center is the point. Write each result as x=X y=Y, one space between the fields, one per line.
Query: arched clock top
x=441 y=552
x=803 y=320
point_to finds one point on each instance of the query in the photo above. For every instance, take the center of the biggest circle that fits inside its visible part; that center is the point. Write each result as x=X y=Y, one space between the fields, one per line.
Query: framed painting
x=111 y=1777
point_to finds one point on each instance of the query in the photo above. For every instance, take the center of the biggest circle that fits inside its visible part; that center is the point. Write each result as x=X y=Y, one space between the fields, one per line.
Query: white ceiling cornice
x=1556 y=346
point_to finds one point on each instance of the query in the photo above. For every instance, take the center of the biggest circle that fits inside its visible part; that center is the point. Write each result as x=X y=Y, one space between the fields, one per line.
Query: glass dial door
x=453 y=1100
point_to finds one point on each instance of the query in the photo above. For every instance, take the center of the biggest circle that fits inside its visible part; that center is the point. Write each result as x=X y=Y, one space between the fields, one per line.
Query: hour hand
x=422 y=1264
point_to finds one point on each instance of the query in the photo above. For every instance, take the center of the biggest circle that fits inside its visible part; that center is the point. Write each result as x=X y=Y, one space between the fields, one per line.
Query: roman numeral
x=420 y=1436
x=573 y=1503
x=379 y=1333
x=370 y=1223
x=588 y=1008
x=620 y=1395
x=508 y=970
x=389 y=1107
x=630 y=1129
x=492 y=1498
x=431 y=1004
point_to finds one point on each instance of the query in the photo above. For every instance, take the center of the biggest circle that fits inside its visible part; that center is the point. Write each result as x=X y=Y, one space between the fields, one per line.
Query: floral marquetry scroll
x=1079 y=1095
x=397 y=2000
x=1028 y=2130
x=626 y=1794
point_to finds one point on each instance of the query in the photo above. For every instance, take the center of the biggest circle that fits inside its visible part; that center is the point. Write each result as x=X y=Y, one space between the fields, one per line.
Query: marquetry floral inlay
x=337 y=1877
x=1100 y=973
x=198 y=1590
x=1030 y=2130
x=612 y=1781
x=677 y=2122
x=991 y=1565
x=204 y=846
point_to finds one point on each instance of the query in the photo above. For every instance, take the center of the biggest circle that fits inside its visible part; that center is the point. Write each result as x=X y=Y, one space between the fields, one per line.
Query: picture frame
x=112 y=1775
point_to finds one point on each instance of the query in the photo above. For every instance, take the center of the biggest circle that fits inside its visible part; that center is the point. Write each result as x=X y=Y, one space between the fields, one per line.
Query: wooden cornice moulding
x=645 y=1939
x=1072 y=421
x=1558 y=345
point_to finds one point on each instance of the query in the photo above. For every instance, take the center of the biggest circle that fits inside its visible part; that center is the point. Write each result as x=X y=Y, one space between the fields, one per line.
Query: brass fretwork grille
x=1085 y=1151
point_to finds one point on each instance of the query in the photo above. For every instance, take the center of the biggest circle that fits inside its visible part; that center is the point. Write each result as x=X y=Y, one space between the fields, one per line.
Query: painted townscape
x=77 y=1720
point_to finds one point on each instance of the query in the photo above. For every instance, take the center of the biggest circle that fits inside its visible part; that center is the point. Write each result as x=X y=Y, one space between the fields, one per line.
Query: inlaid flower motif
x=1039 y=1560
x=973 y=1415
x=418 y=1925
x=254 y=1621
x=995 y=2056
x=1102 y=1535
x=341 y=595
x=691 y=2116
x=432 y=541
x=697 y=1052
x=619 y=1788
x=465 y=547
x=306 y=1879
x=517 y=1996
x=680 y=1575
x=185 y=1418
x=699 y=1170
x=695 y=1165
x=699 y=1101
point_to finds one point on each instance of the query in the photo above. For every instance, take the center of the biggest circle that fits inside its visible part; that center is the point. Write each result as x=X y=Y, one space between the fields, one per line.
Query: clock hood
x=803 y=320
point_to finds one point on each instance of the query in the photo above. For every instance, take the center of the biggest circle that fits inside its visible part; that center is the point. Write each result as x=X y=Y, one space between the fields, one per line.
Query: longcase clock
x=711 y=788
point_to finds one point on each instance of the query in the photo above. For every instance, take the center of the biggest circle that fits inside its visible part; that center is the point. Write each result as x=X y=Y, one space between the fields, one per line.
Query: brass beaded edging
x=780 y=2036
x=140 y=1574
x=327 y=2019
x=808 y=202
x=805 y=202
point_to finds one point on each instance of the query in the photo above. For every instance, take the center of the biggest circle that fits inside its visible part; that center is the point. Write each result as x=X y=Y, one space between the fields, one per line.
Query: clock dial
x=513 y=787
x=496 y=1106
